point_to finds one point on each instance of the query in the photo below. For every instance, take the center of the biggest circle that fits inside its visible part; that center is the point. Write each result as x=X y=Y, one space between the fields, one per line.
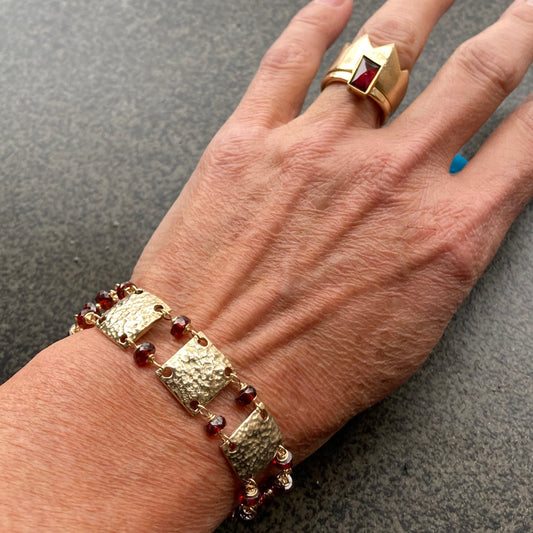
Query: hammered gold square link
x=197 y=373
x=253 y=445
x=132 y=317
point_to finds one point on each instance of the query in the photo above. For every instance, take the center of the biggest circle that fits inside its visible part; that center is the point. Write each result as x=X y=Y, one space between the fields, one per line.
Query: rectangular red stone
x=364 y=75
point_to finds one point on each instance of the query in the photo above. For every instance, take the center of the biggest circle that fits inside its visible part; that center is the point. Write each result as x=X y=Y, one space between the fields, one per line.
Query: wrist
x=118 y=443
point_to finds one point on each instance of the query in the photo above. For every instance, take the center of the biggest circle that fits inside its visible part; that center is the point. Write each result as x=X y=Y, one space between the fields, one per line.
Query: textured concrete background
x=106 y=107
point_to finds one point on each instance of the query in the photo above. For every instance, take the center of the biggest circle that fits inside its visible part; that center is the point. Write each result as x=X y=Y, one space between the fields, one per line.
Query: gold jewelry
x=195 y=375
x=370 y=71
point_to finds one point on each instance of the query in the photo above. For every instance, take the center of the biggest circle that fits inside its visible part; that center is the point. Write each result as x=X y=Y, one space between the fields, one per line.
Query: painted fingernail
x=334 y=3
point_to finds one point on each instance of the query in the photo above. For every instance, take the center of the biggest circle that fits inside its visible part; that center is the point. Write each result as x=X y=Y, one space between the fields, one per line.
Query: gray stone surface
x=105 y=109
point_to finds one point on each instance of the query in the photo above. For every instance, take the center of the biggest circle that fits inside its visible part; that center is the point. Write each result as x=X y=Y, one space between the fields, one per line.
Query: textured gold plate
x=133 y=317
x=199 y=373
x=257 y=441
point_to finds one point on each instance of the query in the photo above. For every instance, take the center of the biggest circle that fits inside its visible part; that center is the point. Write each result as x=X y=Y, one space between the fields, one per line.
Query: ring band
x=373 y=72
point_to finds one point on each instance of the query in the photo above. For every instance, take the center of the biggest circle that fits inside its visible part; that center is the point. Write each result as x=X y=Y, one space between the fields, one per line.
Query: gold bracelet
x=195 y=375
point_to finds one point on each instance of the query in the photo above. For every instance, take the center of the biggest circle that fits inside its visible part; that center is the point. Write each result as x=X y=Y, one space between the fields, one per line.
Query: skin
x=316 y=269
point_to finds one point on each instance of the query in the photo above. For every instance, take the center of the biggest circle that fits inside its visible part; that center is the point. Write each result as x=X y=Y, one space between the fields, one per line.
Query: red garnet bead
x=215 y=425
x=249 y=499
x=80 y=320
x=364 y=75
x=89 y=307
x=246 y=396
x=179 y=325
x=104 y=299
x=143 y=352
x=122 y=289
x=285 y=462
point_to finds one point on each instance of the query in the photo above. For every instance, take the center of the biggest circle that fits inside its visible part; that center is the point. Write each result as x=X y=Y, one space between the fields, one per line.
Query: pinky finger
x=499 y=179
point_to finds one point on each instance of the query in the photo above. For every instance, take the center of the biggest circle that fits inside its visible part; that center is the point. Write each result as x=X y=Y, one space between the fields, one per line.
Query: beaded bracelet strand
x=195 y=375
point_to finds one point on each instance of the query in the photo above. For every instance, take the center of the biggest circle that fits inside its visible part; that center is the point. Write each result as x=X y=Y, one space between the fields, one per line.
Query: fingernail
x=529 y=2
x=336 y=3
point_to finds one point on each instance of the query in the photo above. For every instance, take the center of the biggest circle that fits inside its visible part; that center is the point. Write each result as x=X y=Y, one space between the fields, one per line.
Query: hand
x=326 y=256
x=323 y=256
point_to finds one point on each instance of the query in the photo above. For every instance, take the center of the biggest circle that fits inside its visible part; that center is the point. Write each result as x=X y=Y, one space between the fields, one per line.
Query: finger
x=407 y=24
x=498 y=181
x=472 y=84
x=278 y=90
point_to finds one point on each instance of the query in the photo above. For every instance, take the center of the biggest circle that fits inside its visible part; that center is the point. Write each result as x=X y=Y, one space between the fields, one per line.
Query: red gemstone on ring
x=103 y=298
x=364 y=75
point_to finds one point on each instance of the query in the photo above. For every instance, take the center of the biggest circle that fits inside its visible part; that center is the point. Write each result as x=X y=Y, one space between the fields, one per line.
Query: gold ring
x=370 y=71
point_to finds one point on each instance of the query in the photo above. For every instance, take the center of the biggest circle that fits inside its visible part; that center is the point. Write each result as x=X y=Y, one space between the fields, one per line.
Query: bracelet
x=195 y=375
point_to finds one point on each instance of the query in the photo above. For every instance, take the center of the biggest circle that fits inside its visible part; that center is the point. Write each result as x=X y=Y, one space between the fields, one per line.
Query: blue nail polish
x=458 y=164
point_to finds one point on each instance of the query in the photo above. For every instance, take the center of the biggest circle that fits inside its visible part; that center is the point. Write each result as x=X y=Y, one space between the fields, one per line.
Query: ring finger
x=481 y=73
x=407 y=24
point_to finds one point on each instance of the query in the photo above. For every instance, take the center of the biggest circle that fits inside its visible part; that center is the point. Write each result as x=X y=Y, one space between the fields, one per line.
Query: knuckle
x=306 y=158
x=301 y=157
x=402 y=32
x=458 y=245
x=460 y=254
x=481 y=61
x=388 y=168
x=287 y=54
x=292 y=49
x=524 y=118
x=232 y=149
x=392 y=161
x=522 y=12
x=414 y=153
x=308 y=20
x=445 y=235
